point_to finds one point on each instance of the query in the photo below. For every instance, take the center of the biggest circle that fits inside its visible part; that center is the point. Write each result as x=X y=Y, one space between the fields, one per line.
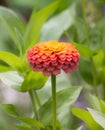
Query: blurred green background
x=65 y=24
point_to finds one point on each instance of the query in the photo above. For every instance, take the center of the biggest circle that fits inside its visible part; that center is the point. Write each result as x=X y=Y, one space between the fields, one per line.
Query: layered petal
x=51 y=57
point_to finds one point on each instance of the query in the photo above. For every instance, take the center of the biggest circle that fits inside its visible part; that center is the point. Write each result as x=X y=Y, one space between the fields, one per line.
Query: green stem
x=33 y=100
x=94 y=77
x=85 y=22
x=88 y=41
x=53 y=82
x=37 y=98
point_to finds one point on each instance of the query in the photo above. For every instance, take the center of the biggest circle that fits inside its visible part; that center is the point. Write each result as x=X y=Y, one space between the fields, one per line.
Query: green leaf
x=102 y=105
x=85 y=68
x=31 y=122
x=66 y=3
x=87 y=71
x=13 y=24
x=4 y=123
x=87 y=118
x=13 y=61
x=6 y=43
x=36 y=22
x=9 y=109
x=56 y=26
x=65 y=98
x=84 y=51
x=4 y=68
x=100 y=24
x=33 y=80
x=99 y=59
x=98 y=117
x=79 y=28
x=97 y=103
x=27 y=4
x=12 y=79
x=24 y=127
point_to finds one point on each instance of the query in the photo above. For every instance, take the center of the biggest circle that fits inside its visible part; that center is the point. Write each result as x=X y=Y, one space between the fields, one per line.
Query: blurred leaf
x=95 y=39
x=13 y=24
x=85 y=68
x=36 y=22
x=56 y=26
x=33 y=80
x=84 y=51
x=4 y=68
x=100 y=24
x=98 y=33
x=99 y=59
x=102 y=105
x=87 y=118
x=6 y=43
x=80 y=30
x=24 y=127
x=98 y=117
x=39 y=4
x=97 y=103
x=93 y=64
x=23 y=4
x=65 y=98
x=13 y=61
x=9 y=109
x=31 y=122
x=62 y=5
x=5 y=123
x=12 y=79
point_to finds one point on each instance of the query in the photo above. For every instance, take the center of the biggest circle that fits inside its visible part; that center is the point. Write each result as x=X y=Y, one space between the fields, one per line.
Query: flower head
x=51 y=57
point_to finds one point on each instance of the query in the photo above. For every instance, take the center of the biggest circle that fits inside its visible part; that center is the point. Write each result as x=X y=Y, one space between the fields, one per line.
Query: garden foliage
x=55 y=20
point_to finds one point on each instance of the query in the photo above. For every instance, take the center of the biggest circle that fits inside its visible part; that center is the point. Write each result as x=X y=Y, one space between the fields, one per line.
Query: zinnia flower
x=51 y=57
